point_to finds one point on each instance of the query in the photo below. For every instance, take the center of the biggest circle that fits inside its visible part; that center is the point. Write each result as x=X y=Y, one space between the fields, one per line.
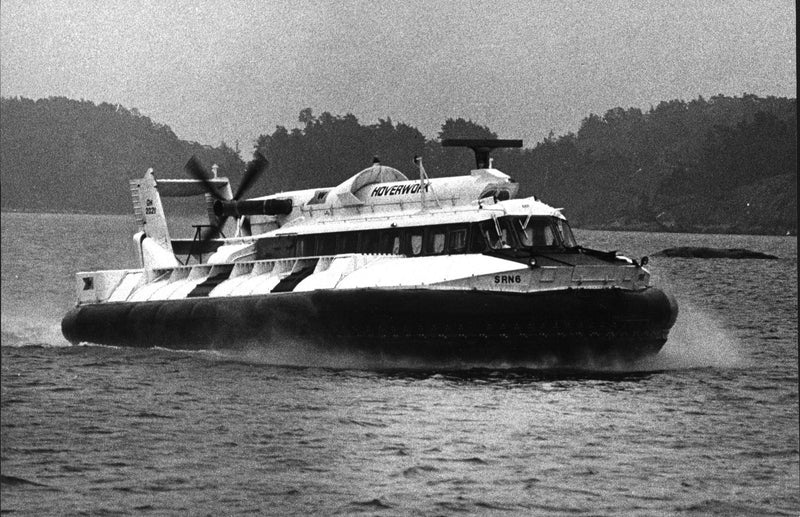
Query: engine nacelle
x=253 y=207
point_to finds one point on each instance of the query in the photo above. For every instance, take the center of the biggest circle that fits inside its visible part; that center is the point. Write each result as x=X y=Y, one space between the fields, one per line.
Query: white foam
x=19 y=331
x=697 y=340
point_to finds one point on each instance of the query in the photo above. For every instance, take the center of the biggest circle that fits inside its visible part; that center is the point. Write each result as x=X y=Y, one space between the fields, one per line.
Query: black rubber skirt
x=562 y=326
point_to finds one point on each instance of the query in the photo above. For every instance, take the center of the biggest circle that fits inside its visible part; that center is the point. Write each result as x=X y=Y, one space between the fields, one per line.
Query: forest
x=63 y=155
x=721 y=165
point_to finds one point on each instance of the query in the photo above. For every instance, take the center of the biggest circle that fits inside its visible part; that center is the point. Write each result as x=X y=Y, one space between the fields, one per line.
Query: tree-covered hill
x=62 y=155
x=718 y=165
x=726 y=164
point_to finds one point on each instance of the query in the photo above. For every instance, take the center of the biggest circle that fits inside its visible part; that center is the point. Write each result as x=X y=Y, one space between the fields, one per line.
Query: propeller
x=196 y=170
x=254 y=170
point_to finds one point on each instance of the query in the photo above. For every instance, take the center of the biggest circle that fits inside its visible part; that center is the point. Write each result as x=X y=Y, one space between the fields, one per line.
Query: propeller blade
x=196 y=170
x=254 y=169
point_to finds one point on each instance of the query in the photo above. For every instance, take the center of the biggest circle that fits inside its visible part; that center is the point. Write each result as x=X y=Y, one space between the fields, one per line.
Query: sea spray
x=31 y=331
x=697 y=340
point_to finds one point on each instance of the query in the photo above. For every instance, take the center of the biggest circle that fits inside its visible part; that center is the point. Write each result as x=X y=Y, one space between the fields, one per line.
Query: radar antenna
x=481 y=147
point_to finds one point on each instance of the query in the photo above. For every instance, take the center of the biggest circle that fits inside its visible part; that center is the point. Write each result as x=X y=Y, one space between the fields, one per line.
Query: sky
x=230 y=71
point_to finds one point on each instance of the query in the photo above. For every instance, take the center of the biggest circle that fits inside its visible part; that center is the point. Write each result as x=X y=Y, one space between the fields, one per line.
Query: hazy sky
x=215 y=70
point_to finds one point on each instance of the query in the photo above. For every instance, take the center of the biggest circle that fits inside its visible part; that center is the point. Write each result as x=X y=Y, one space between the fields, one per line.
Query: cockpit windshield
x=536 y=233
x=565 y=232
x=528 y=232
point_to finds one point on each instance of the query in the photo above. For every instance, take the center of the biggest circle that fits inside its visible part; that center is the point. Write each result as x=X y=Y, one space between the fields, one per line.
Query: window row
x=504 y=232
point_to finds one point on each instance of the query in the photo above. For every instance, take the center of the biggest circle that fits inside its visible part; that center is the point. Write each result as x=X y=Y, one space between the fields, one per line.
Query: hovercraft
x=453 y=269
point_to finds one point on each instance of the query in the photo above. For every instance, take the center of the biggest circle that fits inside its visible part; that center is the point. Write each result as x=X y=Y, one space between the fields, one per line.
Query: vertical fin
x=149 y=211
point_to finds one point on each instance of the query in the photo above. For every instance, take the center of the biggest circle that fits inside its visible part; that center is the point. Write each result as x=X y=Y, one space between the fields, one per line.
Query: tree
x=460 y=128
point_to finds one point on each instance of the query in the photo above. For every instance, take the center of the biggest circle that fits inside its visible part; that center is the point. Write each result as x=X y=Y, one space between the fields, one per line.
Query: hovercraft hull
x=560 y=326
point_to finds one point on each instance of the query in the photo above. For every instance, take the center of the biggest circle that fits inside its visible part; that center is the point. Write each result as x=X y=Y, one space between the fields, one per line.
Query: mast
x=422 y=178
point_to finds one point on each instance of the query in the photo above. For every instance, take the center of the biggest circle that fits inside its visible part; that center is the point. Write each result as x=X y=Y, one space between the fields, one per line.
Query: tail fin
x=149 y=211
x=157 y=250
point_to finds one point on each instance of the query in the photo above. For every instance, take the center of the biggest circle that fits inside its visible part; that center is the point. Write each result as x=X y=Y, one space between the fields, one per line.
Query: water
x=708 y=427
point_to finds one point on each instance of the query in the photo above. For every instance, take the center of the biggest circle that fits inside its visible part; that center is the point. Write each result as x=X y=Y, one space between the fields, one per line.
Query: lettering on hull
x=507 y=279
x=396 y=190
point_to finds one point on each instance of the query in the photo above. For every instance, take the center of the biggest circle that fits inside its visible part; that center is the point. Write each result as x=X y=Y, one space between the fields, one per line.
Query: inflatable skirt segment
x=564 y=326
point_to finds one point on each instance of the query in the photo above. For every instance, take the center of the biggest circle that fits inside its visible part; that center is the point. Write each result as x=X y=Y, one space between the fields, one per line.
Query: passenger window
x=369 y=242
x=346 y=242
x=477 y=241
x=438 y=240
x=385 y=243
x=416 y=244
x=390 y=243
x=458 y=241
x=304 y=247
x=493 y=239
x=326 y=244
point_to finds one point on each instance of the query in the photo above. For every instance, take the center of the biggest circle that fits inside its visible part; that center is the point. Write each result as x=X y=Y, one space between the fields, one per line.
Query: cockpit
x=527 y=232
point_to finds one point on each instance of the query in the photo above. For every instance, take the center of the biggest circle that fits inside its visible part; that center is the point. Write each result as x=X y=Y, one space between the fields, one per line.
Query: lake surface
x=708 y=427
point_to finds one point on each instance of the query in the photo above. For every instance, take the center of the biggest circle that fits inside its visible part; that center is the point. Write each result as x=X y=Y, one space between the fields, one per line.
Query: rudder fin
x=148 y=209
